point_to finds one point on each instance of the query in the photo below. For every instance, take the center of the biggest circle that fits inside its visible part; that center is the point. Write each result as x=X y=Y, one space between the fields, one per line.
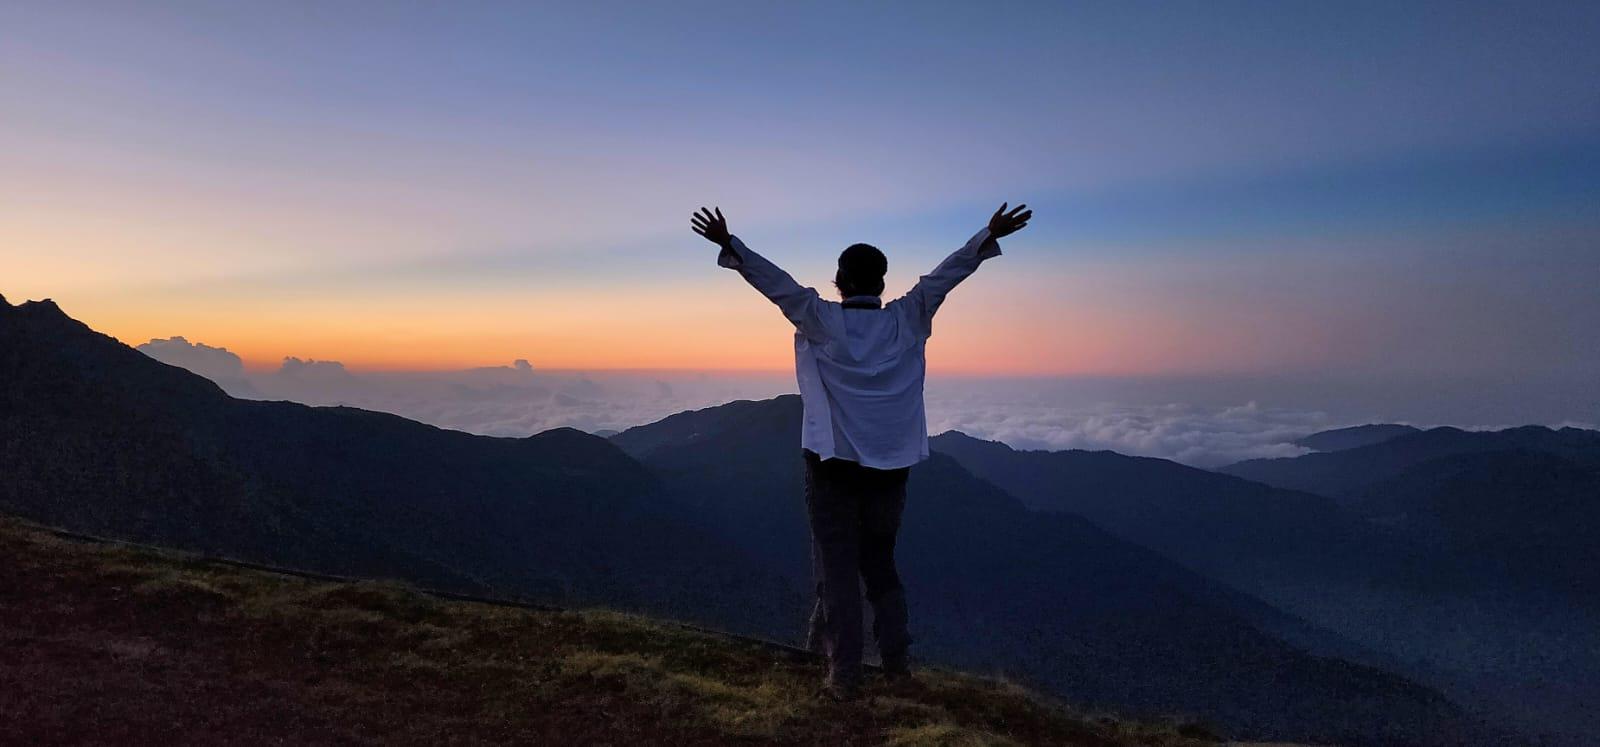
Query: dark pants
x=855 y=514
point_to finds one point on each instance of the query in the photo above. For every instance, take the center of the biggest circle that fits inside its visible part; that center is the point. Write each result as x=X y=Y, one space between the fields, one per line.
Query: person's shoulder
x=908 y=313
x=831 y=313
x=902 y=305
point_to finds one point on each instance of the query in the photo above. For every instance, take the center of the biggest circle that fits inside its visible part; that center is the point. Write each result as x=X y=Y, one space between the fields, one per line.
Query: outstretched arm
x=929 y=292
x=799 y=304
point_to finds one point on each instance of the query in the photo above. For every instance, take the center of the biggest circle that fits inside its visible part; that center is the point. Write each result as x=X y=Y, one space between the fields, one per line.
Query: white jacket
x=861 y=364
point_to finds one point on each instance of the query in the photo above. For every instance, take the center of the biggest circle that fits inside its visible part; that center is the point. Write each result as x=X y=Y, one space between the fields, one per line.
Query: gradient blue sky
x=1243 y=189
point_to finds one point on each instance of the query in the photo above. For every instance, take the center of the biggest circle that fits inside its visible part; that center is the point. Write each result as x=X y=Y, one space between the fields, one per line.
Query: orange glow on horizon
x=1002 y=324
x=755 y=343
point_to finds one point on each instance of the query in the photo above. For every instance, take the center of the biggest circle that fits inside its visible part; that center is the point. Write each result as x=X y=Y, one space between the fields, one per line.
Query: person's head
x=861 y=271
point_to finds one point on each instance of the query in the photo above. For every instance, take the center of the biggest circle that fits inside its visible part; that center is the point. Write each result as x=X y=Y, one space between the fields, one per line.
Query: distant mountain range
x=1515 y=510
x=1502 y=530
x=1340 y=439
x=1134 y=584
x=1472 y=556
x=1345 y=473
x=1251 y=535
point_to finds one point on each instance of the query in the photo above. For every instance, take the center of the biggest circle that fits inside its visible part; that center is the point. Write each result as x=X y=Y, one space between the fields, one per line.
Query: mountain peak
x=43 y=306
x=955 y=435
x=43 y=312
x=561 y=432
x=1353 y=437
x=959 y=444
x=779 y=414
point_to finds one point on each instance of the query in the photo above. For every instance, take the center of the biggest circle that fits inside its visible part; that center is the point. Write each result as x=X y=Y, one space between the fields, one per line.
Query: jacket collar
x=863 y=302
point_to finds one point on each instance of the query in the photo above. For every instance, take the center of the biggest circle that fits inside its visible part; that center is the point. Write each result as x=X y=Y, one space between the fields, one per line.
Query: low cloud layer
x=519 y=400
x=515 y=400
x=1198 y=435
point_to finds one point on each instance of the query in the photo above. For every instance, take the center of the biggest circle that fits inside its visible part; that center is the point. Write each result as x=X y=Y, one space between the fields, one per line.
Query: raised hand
x=1003 y=223
x=712 y=226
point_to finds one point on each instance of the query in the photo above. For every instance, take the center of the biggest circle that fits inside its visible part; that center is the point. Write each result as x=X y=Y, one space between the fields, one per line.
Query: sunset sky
x=1375 y=189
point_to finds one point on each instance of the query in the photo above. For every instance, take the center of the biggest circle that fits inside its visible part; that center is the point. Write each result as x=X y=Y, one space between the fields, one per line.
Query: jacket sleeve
x=802 y=306
x=928 y=294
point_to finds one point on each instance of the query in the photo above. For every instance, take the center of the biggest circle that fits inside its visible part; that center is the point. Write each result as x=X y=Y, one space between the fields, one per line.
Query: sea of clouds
x=1199 y=435
x=520 y=399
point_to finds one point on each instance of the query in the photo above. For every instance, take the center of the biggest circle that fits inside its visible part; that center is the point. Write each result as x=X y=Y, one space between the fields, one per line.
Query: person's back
x=866 y=405
x=860 y=365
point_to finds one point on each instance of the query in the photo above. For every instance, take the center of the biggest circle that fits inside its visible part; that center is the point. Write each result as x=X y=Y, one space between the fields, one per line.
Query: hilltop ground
x=110 y=644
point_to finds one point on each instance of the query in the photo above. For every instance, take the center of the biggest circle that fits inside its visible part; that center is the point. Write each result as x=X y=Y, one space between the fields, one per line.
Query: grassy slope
x=105 y=644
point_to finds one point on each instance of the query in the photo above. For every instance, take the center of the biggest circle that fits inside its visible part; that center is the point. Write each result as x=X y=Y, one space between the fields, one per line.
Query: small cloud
x=197 y=357
x=216 y=364
x=312 y=368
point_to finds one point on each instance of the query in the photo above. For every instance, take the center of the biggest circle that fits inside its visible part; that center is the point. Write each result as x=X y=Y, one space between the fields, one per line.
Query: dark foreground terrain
x=110 y=644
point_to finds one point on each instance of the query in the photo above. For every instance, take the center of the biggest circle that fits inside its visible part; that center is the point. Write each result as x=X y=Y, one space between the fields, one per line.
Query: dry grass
x=249 y=656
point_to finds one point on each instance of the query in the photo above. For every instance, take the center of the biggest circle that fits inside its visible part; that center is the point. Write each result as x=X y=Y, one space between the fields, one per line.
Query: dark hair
x=861 y=271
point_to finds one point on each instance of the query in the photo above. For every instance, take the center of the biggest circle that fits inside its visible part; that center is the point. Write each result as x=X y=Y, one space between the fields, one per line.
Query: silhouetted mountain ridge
x=1339 y=439
x=1495 y=545
x=99 y=438
x=1246 y=533
x=1525 y=519
x=1343 y=474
